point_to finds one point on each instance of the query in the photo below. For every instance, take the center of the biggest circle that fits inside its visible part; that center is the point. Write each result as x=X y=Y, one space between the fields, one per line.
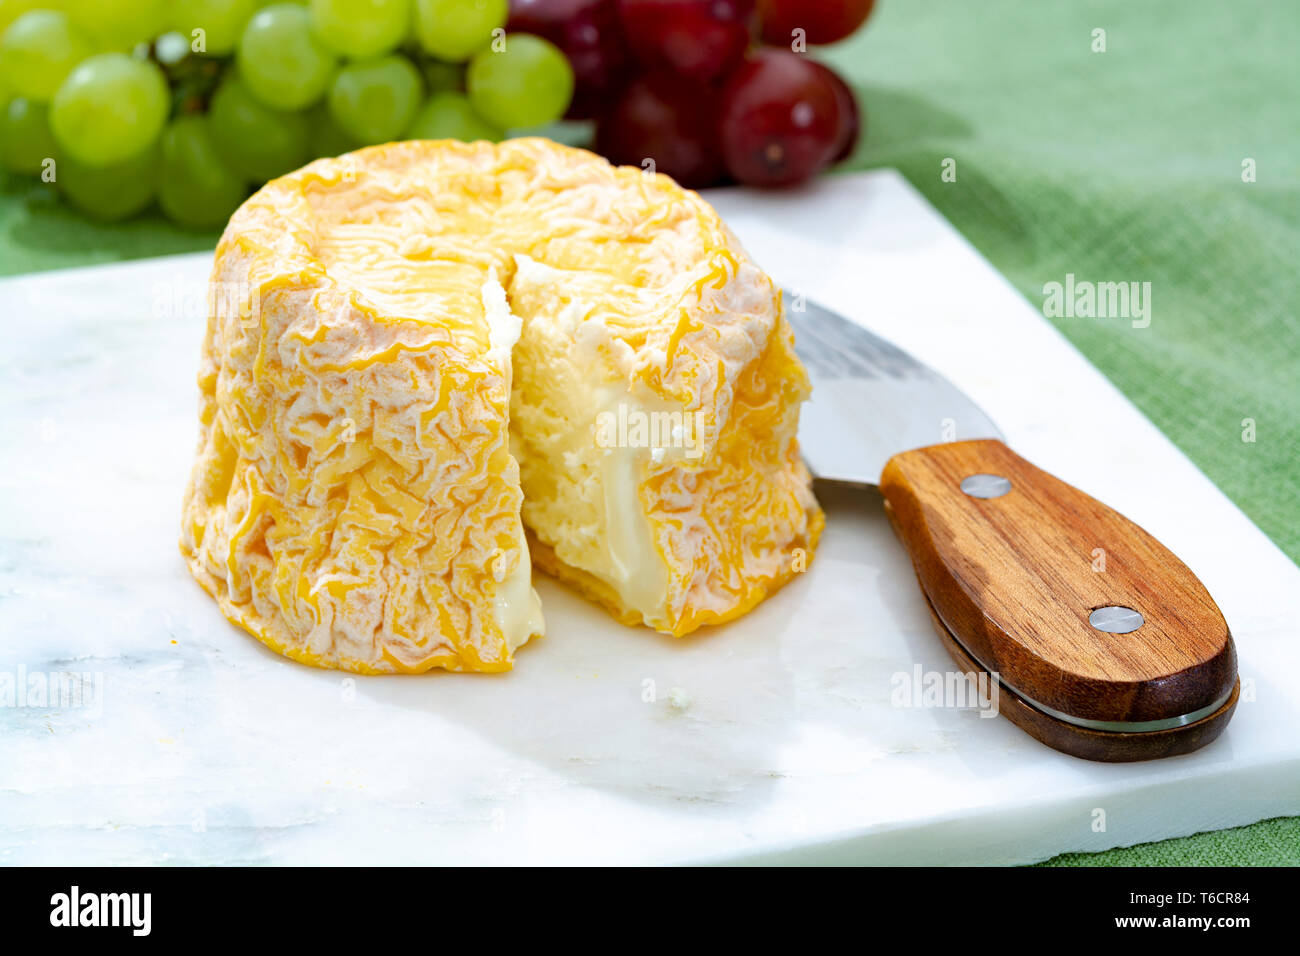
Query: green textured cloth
x=1123 y=165
x=1268 y=843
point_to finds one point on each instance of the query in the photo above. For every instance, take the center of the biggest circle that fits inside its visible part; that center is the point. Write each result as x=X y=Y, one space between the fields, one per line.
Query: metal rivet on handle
x=1116 y=619
x=985 y=486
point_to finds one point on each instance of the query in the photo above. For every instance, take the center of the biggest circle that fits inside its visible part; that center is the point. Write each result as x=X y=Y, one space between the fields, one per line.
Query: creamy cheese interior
x=562 y=460
x=581 y=487
x=516 y=604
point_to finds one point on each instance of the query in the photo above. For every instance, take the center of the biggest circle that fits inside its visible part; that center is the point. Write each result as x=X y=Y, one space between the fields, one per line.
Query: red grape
x=850 y=120
x=823 y=21
x=700 y=39
x=781 y=119
x=663 y=117
x=589 y=33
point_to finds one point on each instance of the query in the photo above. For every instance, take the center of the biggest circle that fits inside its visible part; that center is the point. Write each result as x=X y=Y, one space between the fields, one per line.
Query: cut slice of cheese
x=416 y=350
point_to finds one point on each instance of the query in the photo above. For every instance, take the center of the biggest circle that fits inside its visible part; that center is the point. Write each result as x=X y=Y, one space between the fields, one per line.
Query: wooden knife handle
x=1014 y=563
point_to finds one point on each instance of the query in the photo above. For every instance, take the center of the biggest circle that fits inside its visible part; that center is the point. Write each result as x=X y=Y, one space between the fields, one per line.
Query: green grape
x=25 y=139
x=281 y=60
x=196 y=188
x=254 y=140
x=119 y=24
x=109 y=109
x=327 y=139
x=109 y=193
x=527 y=84
x=373 y=102
x=38 y=50
x=361 y=28
x=457 y=29
x=222 y=22
x=11 y=10
x=170 y=48
x=449 y=115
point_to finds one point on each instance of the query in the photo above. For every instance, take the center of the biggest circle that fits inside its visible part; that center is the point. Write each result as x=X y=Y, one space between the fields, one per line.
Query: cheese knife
x=1121 y=658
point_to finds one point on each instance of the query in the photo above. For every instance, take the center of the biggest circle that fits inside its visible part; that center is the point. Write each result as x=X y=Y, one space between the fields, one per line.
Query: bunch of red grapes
x=686 y=85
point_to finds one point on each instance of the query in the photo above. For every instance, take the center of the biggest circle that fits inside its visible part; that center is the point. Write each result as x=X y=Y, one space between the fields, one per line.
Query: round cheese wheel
x=430 y=364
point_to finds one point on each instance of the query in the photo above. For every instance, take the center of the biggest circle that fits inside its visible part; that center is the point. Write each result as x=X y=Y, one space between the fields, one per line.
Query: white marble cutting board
x=194 y=744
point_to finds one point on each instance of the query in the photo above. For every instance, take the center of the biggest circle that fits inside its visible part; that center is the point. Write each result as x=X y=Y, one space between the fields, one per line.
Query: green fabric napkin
x=1111 y=156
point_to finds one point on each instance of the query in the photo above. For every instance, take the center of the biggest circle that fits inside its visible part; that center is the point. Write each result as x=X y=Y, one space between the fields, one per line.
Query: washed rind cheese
x=423 y=358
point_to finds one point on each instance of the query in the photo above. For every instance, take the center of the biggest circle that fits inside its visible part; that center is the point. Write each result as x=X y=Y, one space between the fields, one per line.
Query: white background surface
x=208 y=748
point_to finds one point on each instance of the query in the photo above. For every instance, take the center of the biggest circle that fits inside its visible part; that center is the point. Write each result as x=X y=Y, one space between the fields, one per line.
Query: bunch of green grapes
x=191 y=103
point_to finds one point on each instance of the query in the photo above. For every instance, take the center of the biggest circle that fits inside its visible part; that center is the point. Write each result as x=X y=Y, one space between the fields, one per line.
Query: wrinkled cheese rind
x=356 y=499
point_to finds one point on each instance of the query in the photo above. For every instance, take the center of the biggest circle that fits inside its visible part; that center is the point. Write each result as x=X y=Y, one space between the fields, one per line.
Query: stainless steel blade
x=870 y=399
